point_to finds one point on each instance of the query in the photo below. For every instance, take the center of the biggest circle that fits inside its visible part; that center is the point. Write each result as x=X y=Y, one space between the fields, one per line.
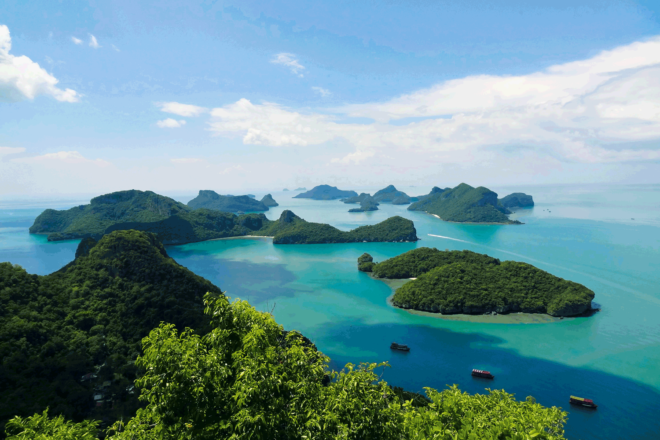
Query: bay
x=585 y=234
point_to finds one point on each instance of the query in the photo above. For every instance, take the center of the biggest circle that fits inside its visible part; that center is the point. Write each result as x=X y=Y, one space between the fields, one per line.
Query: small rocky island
x=325 y=192
x=517 y=200
x=366 y=204
x=466 y=282
x=269 y=201
x=465 y=204
x=211 y=200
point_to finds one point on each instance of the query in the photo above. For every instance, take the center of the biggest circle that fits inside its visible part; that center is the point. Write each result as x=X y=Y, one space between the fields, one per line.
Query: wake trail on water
x=597 y=278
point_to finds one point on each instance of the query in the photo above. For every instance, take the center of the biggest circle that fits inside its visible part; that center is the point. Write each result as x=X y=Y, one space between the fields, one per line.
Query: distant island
x=466 y=282
x=517 y=200
x=325 y=192
x=464 y=204
x=391 y=195
x=300 y=189
x=366 y=204
x=269 y=201
x=285 y=189
x=175 y=223
x=212 y=200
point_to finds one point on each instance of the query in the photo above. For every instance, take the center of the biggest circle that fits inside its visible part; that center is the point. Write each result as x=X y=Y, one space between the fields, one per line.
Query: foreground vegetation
x=471 y=283
x=247 y=379
x=465 y=204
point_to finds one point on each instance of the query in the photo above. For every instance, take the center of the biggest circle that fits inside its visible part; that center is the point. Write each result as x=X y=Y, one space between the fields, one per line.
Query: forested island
x=466 y=282
x=268 y=201
x=87 y=340
x=464 y=204
x=367 y=203
x=325 y=192
x=517 y=200
x=392 y=195
x=212 y=200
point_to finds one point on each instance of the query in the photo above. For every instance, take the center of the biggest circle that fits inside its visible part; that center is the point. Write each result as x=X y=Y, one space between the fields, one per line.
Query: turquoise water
x=583 y=234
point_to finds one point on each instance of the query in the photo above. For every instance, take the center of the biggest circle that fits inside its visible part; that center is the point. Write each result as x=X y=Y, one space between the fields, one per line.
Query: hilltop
x=268 y=201
x=465 y=204
x=390 y=194
x=211 y=200
x=104 y=211
x=453 y=282
x=325 y=192
x=90 y=317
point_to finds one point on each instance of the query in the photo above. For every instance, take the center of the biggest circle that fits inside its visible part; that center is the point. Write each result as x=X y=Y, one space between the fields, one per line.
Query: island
x=434 y=190
x=452 y=282
x=357 y=199
x=301 y=189
x=285 y=189
x=390 y=194
x=517 y=200
x=465 y=204
x=212 y=200
x=366 y=204
x=269 y=201
x=325 y=192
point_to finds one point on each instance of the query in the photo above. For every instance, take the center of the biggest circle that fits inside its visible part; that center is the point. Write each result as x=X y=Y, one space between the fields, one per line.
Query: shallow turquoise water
x=582 y=234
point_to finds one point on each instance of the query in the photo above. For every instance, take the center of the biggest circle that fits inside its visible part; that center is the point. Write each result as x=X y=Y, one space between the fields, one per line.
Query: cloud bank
x=21 y=78
x=604 y=109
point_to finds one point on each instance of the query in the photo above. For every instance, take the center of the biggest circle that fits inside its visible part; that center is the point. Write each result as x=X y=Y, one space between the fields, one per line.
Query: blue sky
x=264 y=95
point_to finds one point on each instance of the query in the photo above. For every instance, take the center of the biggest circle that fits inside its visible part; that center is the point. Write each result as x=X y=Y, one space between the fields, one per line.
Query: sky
x=178 y=96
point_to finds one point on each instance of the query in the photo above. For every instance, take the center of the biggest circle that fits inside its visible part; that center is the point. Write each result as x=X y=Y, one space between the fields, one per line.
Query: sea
x=605 y=237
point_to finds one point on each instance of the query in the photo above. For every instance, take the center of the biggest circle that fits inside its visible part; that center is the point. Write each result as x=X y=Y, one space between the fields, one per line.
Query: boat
x=588 y=403
x=482 y=373
x=399 y=347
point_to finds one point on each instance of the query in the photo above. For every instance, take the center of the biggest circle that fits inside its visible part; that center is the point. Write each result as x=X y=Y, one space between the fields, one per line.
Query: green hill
x=325 y=192
x=90 y=317
x=466 y=282
x=269 y=201
x=211 y=200
x=517 y=200
x=104 y=211
x=465 y=204
x=392 y=195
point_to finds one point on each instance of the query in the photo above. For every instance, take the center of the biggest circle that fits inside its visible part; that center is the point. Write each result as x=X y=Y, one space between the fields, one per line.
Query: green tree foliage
x=248 y=379
x=212 y=200
x=469 y=287
x=104 y=211
x=421 y=260
x=89 y=317
x=464 y=204
x=41 y=427
x=365 y=263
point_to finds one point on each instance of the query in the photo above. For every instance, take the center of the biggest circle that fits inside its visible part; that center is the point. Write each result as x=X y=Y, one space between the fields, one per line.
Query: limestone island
x=517 y=200
x=212 y=200
x=269 y=201
x=325 y=192
x=465 y=204
x=391 y=195
x=366 y=204
x=175 y=223
x=453 y=282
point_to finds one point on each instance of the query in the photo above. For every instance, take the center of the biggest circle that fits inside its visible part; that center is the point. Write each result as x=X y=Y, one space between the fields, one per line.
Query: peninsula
x=466 y=282
x=465 y=204
x=212 y=200
x=325 y=192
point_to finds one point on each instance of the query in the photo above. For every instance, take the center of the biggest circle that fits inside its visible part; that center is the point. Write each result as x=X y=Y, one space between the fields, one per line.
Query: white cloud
x=115 y=48
x=321 y=91
x=21 y=78
x=289 y=60
x=93 y=42
x=186 y=160
x=63 y=157
x=170 y=123
x=589 y=111
x=6 y=151
x=76 y=40
x=179 y=109
x=355 y=157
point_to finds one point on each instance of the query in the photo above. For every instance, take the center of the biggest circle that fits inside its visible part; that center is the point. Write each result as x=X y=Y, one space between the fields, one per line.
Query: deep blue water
x=583 y=234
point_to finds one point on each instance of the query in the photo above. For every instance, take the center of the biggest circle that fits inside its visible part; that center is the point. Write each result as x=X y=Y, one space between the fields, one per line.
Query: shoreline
x=473 y=223
x=241 y=237
x=509 y=318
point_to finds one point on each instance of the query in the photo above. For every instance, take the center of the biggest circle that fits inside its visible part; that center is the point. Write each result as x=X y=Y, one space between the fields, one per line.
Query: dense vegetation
x=246 y=379
x=105 y=211
x=367 y=204
x=89 y=317
x=325 y=192
x=365 y=263
x=465 y=204
x=393 y=229
x=517 y=200
x=466 y=282
x=434 y=190
x=269 y=201
x=211 y=200
x=421 y=260
x=390 y=194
